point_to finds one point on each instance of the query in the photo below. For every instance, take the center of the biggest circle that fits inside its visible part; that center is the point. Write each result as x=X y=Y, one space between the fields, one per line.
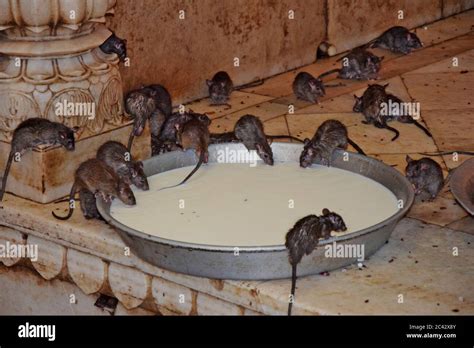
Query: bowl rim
x=104 y=210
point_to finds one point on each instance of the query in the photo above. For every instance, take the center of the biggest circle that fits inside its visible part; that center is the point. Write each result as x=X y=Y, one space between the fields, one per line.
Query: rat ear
x=326 y=211
x=209 y=83
x=306 y=141
x=269 y=140
x=75 y=129
x=408 y=159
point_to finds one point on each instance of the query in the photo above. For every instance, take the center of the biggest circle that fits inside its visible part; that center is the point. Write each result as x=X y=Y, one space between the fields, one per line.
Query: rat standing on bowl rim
x=425 y=175
x=194 y=134
x=330 y=135
x=249 y=130
x=303 y=238
x=117 y=157
x=99 y=179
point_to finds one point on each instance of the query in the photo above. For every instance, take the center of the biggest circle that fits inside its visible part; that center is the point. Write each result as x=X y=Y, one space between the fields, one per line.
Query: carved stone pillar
x=51 y=67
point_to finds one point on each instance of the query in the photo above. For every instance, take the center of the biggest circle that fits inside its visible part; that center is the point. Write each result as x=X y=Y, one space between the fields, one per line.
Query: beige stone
x=87 y=271
x=51 y=257
x=130 y=286
x=172 y=296
x=209 y=305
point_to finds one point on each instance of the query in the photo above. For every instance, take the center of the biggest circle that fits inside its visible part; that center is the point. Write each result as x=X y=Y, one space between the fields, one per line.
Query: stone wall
x=182 y=53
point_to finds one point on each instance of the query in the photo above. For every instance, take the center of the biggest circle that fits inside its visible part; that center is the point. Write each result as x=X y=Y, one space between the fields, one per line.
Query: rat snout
x=70 y=146
x=143 y=185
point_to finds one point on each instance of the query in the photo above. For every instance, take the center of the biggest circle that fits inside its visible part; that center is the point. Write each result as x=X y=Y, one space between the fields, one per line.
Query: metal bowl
x=462 y=185
x=266 y=262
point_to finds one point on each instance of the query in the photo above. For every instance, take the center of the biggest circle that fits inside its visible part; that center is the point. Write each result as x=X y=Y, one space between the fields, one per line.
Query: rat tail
x=293 y=288
x=130 y=141
x=285 y=137
x=355 y=146
x=328 y=73
x=71 y=204
x=397 y=133
x=198 y=165
x=250 y=85
x=419 y=125
x=5 y=174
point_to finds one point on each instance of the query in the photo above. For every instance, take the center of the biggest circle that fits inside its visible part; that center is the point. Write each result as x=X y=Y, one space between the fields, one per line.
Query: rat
x=397 y=39
x=194 y=134
x=401 y=117
x=151 y=103
x=358 y=64
x=116 y=45
x=169 y=133
x=370 y=104
x=117 y=157
x=249 y=130
x=425 y=175
x=221 y=87
x=309 y=88
x=330 y=135
x=140 y=106
x=303 y=238
x=99 y=179
x=33 y=132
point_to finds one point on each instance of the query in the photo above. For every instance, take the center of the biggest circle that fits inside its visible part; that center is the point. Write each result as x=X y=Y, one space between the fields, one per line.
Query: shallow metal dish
x=265 y=262
x=462 y=185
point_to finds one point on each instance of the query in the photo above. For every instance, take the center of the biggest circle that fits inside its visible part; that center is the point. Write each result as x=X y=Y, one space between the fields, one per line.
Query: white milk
x=239 y=205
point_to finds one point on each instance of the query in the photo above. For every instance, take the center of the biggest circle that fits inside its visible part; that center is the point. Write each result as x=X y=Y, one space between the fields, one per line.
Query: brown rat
x=34 y=132
x=96 y=177
x=397 y=39
x=303 y=238
x=370 y=104
x=221 y=87
x=359 y=64
x=194 y=134
x=151 y=103
x=117 y=157
x=249 y=130
x=169 y=133
x=330 y=135
x=425 y=175
x=309 y=88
